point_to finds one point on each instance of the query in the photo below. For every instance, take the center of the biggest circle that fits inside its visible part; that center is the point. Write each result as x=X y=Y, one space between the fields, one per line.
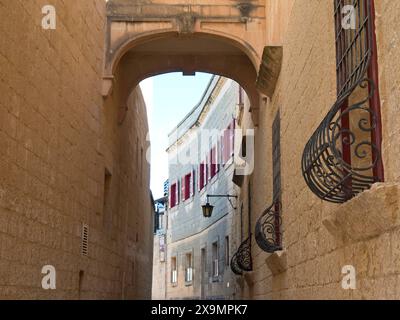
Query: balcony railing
x=242 y=260
x=343 y=156
x=338 y=161
x=235 y=266
x=268 y=229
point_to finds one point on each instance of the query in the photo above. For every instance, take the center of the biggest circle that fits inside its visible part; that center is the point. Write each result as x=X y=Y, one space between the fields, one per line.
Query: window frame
x=350 y=74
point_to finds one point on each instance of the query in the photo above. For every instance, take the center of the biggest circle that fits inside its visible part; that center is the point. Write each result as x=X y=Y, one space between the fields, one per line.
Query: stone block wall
x=57 y=136
x=319 y=238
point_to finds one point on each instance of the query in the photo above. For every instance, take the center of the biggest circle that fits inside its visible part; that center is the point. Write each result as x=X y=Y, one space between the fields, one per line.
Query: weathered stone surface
x=270 y=69
x=370 y=214
x=277 y=262
x=56 y=138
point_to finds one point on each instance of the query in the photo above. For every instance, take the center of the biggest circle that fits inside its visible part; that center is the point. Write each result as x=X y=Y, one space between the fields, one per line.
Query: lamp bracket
x=229 y=196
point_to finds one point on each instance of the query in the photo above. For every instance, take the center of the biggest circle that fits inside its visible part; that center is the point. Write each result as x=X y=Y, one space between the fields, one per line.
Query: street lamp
x=208 y=208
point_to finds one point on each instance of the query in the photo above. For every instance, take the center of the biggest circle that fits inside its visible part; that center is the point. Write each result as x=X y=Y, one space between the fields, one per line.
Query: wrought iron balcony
x=234 y=266
x=343 y=156
x=242 y=260
x=338 y=161
x=268 y=229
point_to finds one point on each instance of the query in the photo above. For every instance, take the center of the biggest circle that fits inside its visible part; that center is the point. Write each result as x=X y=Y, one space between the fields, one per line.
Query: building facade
x=200 y=164
x=160 y=276
x=324 y=191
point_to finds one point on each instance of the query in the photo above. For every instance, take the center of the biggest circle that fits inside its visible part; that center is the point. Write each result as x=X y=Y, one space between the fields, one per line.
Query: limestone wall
x=57 y=136
x=320 y=238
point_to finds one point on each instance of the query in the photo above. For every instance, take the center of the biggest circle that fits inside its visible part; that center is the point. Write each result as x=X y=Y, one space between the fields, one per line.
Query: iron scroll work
x=340 y=159
x=325 y=170
x=241 y=260
x=268 y=229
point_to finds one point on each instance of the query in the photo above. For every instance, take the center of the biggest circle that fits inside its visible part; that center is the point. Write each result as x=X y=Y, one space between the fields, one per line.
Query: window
x=187 y=186
x=107 y=210
x=213 y=162
x=174 y=271
x=356 y=55
x=162 y=248
x=268 y=228
x=202 y=176
x=228 y=140
x=174 y=195
x=160 y=221
x=276 y=172
x=215 y=260
x=343 y=156
x=227 y=257
x=189 y=268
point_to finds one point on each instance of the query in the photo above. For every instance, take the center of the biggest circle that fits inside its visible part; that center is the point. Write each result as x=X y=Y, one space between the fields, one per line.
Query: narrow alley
x=199 y=150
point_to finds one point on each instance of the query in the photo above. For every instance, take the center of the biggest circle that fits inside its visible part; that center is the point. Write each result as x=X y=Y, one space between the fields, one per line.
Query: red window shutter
x=171 y=196
x=213 y=161
x=188 y=185
x=186 y=190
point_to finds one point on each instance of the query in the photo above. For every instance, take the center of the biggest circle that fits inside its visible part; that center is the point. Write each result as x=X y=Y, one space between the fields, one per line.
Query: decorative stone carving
x=245 y=8
x=186 y=22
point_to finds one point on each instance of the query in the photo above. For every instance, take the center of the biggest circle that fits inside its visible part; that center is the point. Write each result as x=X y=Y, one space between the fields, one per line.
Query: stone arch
x=140 y=58
x=118 y=49
x=147 y=38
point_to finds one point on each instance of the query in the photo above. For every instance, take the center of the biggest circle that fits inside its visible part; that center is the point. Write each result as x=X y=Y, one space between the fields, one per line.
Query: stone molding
x=368 y=215
x=270 y=70
x=277 y=262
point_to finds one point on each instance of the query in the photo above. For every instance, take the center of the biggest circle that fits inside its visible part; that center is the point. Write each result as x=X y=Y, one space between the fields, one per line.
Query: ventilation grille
x=85 y=240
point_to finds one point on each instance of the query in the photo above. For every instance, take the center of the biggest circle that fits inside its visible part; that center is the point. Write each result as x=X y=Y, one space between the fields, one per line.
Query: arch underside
x=186 y=54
